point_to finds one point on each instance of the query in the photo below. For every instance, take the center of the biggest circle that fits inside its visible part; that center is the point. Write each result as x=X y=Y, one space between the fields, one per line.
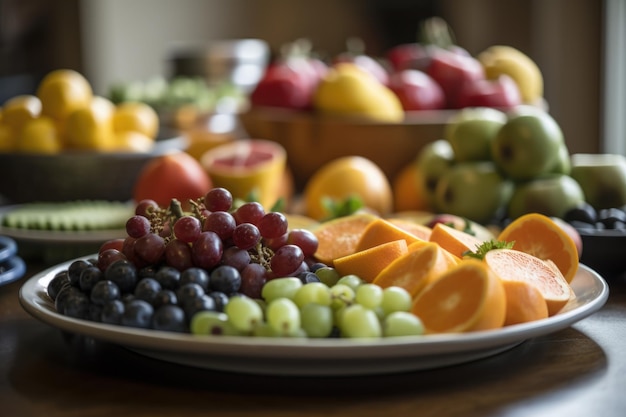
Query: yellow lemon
x=136 y=116
x=131 y=141
x=20 y=109
x=91 y=127
x=39 y=136
x=62 y=92
x=7 y=138
x=348 y=90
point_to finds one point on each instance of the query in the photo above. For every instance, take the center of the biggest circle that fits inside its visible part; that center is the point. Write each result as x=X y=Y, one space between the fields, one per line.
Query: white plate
x=328 y=357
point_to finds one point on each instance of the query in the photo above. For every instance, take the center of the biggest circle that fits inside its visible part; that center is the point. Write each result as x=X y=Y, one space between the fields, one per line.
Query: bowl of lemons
x=66 y=143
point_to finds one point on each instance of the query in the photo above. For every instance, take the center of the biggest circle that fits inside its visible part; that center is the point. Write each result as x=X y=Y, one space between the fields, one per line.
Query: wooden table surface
x=579 y=371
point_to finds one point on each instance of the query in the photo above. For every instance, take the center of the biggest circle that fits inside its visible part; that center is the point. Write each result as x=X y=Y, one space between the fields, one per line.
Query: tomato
x=175 y=175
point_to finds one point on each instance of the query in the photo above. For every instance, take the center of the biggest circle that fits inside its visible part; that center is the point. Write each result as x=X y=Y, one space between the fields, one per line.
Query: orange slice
x=453 y=240
x=524 y=302
x=514 y=265
x=467 y=297
x=420 y=230
x=416 y=269
x=339 y=237
x=368 y=263
x=381 y=231
x=542 y=237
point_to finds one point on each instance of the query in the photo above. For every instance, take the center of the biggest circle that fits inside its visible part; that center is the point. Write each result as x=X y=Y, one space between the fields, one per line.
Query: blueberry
x=64 y=295
x=583 y=212
x=137 y=313
x=123 y=273
x=195 y=275
x=169 y=318
x=168 y=277
x=147 y=289
x=200 y=303
x=56 y=284
x=226 y=279
x=77 y=305
x=188 y=292
x=112 y=312
x=75 y=269
x=95 y=312
x=308 y=276
x=165 y=297
x=89 y=277
x=220 y=298
x=147 y=272
x=104 y=291
x=611 y=216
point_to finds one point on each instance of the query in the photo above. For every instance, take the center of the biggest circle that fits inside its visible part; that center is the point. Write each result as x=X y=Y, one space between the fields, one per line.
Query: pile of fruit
x=229 y=267
x=411 y=77
x=64 y=114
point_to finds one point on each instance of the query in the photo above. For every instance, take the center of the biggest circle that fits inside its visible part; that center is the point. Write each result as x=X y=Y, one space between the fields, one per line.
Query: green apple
x=433 y=160
x=527 y=146
x=471 y=131
x=474 y=190
x=563 y=164
x=602 y=178
x=551 y=195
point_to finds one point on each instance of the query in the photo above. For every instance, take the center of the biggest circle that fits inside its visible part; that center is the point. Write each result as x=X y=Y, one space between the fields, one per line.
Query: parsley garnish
x=485 y=247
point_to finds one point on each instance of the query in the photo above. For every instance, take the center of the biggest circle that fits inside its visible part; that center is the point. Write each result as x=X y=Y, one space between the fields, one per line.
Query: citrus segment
x=420 y=230
x=542 y=237
x=339 y=237
x=415 y=270
x=368 y=263
x=381 y=231
x=454 y=241
x=514 y=265
x=524 y=302
x=467 y=297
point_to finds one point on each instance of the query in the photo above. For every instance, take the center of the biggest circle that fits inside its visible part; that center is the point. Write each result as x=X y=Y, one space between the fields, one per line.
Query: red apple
x=502 y=93
x=409 y=56
x=417 y=90
x=367 y=63
x=451 y=71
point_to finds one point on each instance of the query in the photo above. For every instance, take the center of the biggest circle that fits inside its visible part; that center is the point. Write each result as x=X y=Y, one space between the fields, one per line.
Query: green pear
x=474 y=190
x=527 y=146
x=602 y=178
x=471 y=131
x=551 y=195
x=434 y=160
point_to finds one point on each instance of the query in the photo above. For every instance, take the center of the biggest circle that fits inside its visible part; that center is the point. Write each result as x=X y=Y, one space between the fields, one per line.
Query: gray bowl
x=76 y=175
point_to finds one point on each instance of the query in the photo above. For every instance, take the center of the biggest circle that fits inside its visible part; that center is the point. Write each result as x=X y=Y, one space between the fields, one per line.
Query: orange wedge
x=416 y=269
x=420 y=230
x=467 y=297
x=542 y=237
x=339 y=237
x=382 y=231
x=514 y=265
x=524 y=302
x=453 y=240
x=368 y=263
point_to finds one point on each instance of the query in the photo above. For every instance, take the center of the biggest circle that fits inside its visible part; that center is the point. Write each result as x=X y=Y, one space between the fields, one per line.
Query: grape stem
x=262 y=255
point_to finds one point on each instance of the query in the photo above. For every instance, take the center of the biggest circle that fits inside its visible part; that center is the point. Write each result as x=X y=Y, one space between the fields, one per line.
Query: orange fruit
x=514 y=265
x=62 y=92
x=381 y=231
x=344 y=177
x=414 y=270
x=524 y=302
x=420 y=230
x=339 y=237
x=136 y=116
x=453 y=240
x=408 y=190
x=466 y=297
x=248 y=167
x=369 y=262
x=174 y=175
x=542 y=237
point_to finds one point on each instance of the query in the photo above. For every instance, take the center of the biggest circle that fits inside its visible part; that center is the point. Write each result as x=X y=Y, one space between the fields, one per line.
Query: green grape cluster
x=345 y=307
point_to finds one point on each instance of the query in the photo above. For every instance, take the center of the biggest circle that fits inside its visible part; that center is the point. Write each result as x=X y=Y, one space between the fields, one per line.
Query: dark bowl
x=75 y=175
x=604 y=251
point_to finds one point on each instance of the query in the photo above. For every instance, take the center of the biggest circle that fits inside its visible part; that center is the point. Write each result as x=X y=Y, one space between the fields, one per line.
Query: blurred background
x=578 y=44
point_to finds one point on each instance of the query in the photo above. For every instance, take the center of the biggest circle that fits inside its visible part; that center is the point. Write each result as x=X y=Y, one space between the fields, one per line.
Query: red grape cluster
x=216 y=232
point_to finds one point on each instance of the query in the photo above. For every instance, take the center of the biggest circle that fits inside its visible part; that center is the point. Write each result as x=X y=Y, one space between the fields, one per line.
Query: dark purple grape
x=207 y=250
x=286 y=260
x=178 y=255
x=218 y=199
x=612 y=218
x=107 y=257
x=147 y=272
x=196 y=276
x=147 y=289
x=246 y=236
x=236 y=257
x=276 y=242
x=273 y=225
x=145 y=207
x=168 y=277
x=220 y=222
x=105 y=291
x=250 y=212
x=112 y=312
x=137 y=313
x=253 y=277
x=169 y=318
x=137 y=226
x=583 y=212
x=123 y=273
x=305 y=239
x=150 y=248
x=226 y=279
x=187 y=229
